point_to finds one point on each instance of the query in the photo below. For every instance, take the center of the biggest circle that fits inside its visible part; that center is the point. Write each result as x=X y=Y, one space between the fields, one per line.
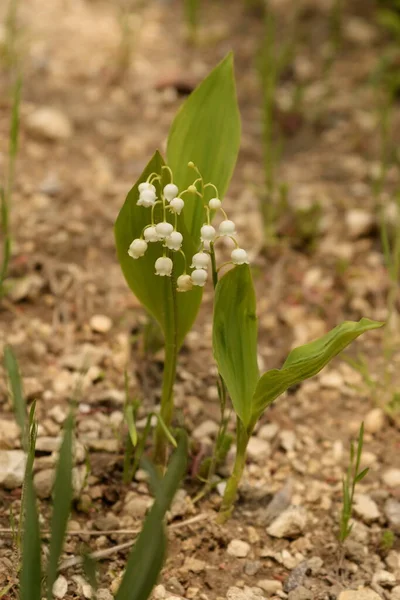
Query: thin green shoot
x=6 y=190
x=353 y=476
x=192 y=17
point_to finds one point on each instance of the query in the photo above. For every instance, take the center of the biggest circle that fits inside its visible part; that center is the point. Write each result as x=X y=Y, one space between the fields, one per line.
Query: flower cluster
x=166 y=233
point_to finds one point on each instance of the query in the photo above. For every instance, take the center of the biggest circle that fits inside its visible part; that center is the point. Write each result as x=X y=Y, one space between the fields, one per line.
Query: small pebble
x=60 y=587
x=374 y=420
x=391 y=478
x=238 y=548
x=100 y=323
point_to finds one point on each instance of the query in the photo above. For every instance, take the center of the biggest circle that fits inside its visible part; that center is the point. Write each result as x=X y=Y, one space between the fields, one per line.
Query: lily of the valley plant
x=165 y=236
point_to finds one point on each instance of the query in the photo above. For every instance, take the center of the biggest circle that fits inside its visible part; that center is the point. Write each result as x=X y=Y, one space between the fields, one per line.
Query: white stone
x=268 y=431
x=361 y=594
x=49 y=123
x=384 y=578
x=60 y=587
x=395 y=593
x=366 y=508
x=258 y=450
x=391 y=478
x=392 y=513
x=238 y=548
x=9 y=433
x=12 y=468
x=331 y=379
x=287 y=439
x=290 y=523
x=374 y=420
x=271 y=586
x=359 y=222
x=100 y=323
x=206 y=429
x=159 y=592
x=43 y=482
x=247 y=593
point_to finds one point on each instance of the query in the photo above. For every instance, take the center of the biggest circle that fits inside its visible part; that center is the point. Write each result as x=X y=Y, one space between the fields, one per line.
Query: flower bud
x=239 y=256
x=227 y=227
x=137 y=248
x=164 y=229
x=164 y=266
x=199 y=277
x=150 y=234
x=145 y=185
x=170 y=191
x=184 y=283
x=207 y=233
x=201 y=260
x=147 y=198
x=174 y=241
x=215 y=203
x=177 y=205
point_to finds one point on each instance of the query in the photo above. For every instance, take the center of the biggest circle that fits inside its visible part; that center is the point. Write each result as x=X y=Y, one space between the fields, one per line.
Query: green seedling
x=353 y=476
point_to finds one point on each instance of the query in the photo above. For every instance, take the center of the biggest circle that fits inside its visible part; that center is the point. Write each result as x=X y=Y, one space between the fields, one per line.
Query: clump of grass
x=148 y=554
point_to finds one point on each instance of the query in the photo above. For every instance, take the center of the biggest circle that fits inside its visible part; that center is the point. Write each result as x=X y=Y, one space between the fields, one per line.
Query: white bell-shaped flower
x=239 y=256
x=227 y=227
x=199 y=277
x=150 y=234
x=207 y=233
x=170 y=191
x=164 y=229
x=137 y=248
x=215 y=203
x=174 y=241
x=200 y=260
x=184 y=283
x=164 y=266
x=147 y=198
x=145 y=185
x=177 y=205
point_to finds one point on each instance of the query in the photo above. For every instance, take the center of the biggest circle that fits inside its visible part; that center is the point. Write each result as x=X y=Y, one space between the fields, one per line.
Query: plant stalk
x=242 y=439
x=169 y=374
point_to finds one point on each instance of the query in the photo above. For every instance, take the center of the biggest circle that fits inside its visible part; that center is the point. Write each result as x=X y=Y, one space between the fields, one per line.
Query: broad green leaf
x=147 y=557
x=235 y=338
x=306 y=361
x=62 y=499
x=206 y=130
x=14 y=378
x=31 y=576
x=157 y=294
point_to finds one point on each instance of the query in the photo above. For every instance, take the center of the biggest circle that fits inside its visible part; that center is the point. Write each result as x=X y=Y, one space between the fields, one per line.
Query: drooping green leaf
x=235 y=338
x=15 y=382
x=206 y=131
x=31 y=575
x=157 y=294
x=147 y=557
x=306 y=361
x=62 y=495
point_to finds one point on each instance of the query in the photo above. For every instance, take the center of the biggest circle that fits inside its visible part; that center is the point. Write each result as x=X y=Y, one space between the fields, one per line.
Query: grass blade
x=31 y=576
x=147 y=557
x=15 y=382
x=62 y=503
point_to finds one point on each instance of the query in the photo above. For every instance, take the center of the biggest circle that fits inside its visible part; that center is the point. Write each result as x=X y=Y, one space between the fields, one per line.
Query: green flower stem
x=242 y=439
x=170 y=363
x=222 y=393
